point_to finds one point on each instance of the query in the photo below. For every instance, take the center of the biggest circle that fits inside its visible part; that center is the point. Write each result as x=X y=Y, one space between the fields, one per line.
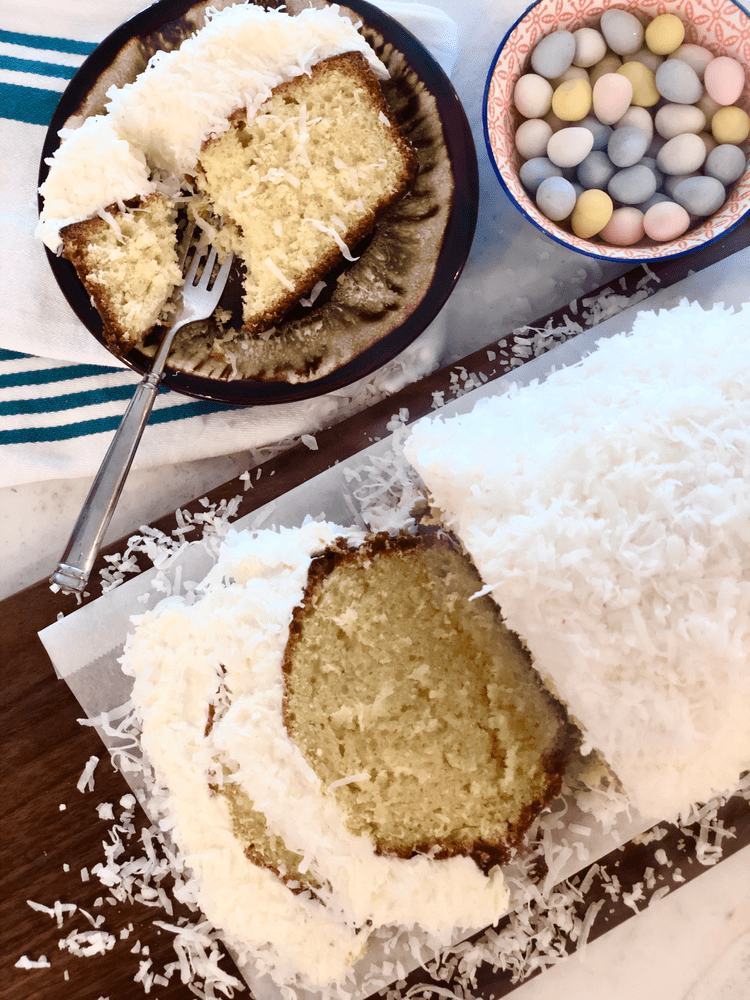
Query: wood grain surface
x=43 y=748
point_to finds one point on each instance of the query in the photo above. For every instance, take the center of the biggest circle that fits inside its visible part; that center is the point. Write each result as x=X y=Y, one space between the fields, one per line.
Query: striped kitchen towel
x=61 y=393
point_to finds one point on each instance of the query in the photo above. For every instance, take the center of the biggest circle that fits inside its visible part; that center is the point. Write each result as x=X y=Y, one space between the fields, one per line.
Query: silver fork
x=200 y=296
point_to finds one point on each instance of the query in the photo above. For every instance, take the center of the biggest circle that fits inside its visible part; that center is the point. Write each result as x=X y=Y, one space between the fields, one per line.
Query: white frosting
x=607 y=507
x=234 y=637
x=154 y=127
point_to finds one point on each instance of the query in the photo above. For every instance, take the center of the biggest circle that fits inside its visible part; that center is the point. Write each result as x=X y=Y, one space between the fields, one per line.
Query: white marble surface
x=682 y=946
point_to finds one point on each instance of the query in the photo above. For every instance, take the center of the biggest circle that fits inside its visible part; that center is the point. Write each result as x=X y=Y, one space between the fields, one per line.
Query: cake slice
x=415 y=705
x=128 y=265
x=303 y=182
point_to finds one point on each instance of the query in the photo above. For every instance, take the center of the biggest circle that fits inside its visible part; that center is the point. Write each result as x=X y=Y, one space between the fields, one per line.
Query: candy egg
x=665 y=34
x=694 y=55
x=611 y=95
x=556 y=198
x=633 y=185
x=627 y=145
x=678 y=82
x=571 y=73
x=553 y=54
x=645 y=94
x=532 y=137
x=609 y=64
x=682 y=154
x=535 y=170
x=730 y=125
x=596 y=170
x=599 y=130
x=532 y=95
x=622 y=31
x=624 y=228
x=570 y=146
x=674 y=119
x=709 y=107
x=665 y=221
x=590 y=47
x=724 y=79
x=572 y=100
x=592 y=212
x=700 y=195
x=648 y=58
x=639 y=117
x=726 y=163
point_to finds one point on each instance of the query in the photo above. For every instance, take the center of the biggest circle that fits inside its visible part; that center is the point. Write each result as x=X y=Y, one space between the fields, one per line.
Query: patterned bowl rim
x=663 y=251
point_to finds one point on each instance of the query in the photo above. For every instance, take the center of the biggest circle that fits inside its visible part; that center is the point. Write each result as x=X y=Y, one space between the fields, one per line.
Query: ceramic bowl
x=720 y=26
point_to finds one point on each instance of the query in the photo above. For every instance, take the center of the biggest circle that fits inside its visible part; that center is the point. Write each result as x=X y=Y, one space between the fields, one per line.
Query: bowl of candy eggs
x=622 y=131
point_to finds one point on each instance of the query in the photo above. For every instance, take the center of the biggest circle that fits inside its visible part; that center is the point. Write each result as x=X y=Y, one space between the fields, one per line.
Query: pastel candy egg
x=611 y=96
x=648 y=58
x=665 y=34
x=599 y=130
x=571 y=73
x=730 y=125
x=672 y=180
x=682 y=154
x=622 y=31
x=700 y=195
x=572 y=100
x=556 y=198
x=645 y=94
x=678 y=82
x=590 y=47
x=624 y=228
x=694 y=55
x=650 y=162
x=726 y=163
x=553 y=54
x=609 y=64
x=532 y=95
x=640 y=118
x=592 y=212
x=596 y=170
x=724 y=80
x=633 y=185
x=532 y=136
x=674 y=119
x=665 y=221
x=627 y=145
x=535 y=170
x=570 y=146
x=708 y=106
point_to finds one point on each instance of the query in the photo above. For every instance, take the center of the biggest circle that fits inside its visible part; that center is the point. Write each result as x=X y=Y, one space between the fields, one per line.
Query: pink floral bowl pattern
x=720 y=26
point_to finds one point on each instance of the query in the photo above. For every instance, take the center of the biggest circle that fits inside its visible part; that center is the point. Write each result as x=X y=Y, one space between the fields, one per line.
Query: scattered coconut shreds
x=86 y=781
x=24 y=962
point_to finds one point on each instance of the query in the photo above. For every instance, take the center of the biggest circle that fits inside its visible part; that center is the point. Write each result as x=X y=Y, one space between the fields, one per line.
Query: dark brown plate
x=425 y=281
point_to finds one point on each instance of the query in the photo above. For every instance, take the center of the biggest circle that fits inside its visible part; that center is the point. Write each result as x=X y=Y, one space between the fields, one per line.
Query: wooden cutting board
x=50 y=830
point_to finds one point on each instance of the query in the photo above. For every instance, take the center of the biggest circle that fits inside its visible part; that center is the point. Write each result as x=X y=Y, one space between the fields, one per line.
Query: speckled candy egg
x=622 y=31
x=665 y=221
x=553 y=54
x=677 y=82
x=724 y=80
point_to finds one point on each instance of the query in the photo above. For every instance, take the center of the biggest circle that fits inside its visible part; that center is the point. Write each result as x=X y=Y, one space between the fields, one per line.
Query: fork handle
x=75 y=566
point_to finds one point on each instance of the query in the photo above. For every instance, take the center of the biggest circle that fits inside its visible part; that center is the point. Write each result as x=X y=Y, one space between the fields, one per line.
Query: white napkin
x=61 y=393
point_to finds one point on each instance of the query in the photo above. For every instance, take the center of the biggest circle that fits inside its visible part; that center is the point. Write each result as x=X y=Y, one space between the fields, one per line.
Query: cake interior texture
x=415 y=705
x=128 y=265
x=304 y=181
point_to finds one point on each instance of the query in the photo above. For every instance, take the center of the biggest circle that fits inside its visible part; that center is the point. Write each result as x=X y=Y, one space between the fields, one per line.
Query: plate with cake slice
x=322 y=145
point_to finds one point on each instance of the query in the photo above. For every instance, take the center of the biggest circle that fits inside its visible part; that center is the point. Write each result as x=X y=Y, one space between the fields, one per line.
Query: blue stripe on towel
x=28 y=104
x=47 y=375
x=38 y=67
x=68 y=401
x=36 y=435
x=44 y=42
x=6 y=355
